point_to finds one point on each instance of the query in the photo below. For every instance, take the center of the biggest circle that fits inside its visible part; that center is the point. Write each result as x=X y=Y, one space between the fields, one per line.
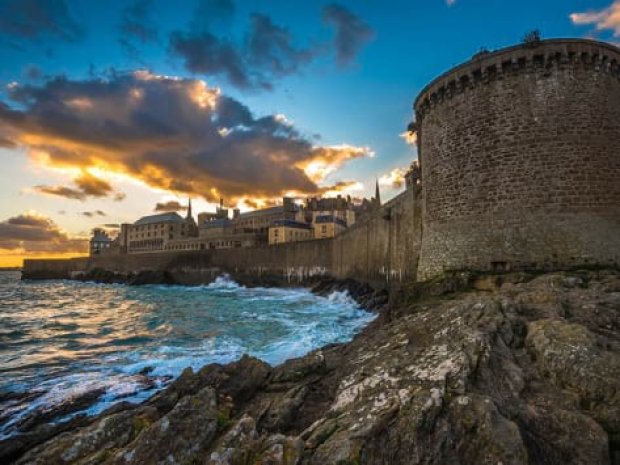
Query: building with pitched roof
x=155 y=232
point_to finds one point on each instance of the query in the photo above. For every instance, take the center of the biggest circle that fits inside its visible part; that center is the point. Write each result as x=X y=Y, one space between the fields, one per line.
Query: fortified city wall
x=520 y=157
x=378 y=251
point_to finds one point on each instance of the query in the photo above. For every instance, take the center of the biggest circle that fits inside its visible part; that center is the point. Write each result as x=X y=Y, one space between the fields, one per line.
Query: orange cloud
x=395 y=179
x=410 y=137
x=169 y=206
x=86 y=184
x=326 y=160
x=172 y=134
x=33 y=235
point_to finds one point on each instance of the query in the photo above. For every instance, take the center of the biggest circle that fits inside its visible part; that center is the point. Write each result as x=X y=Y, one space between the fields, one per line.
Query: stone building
x=259 y=221
x=221 y=213
x=413 y=175
x=282 y=231
x=100 y=242
x=520 y=160
x=221 y=234
x=337 y=207
x=155 y=232
x=328 y=226
x=367 y=207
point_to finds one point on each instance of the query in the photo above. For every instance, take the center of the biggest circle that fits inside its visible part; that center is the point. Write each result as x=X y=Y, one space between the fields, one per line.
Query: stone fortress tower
x=520 y=160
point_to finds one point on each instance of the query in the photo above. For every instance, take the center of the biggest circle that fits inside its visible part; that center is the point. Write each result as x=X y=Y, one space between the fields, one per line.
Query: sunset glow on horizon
x=112 y=111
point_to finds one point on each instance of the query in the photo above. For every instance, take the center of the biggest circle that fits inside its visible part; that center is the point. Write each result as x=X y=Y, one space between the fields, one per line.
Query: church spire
x=189 y=208
x=377 y=193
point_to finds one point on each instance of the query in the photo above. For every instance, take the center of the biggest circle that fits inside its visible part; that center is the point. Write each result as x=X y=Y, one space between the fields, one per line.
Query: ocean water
x=62 y=339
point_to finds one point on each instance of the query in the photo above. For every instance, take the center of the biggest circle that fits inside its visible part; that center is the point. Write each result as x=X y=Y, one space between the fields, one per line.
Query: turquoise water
x=61 y=339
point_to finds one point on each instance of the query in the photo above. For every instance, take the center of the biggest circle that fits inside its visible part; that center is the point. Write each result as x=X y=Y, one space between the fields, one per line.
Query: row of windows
x=147 y=244
x=154 y=227
x=188 y=246
x=147 y=227
x=202 y=245
x=146 y=235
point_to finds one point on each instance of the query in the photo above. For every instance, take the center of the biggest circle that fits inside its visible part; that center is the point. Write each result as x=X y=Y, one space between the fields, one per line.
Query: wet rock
x=512 y=369
x=295 y=370
x=570 y=357
x=282 y=411
x=151 y=277
x=188 y=383
x=570 y=437
x=44 y=415
x=95 y=443
x=181 y=436
x=18 y=444
x=244 y=378
x=483 y=435
x=237 y=445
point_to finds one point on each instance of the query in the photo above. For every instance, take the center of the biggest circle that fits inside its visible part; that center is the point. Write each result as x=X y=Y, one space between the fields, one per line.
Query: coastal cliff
x=512 y=369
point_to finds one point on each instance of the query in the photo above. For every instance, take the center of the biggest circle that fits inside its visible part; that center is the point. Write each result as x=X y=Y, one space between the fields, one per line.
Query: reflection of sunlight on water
x=69 y=338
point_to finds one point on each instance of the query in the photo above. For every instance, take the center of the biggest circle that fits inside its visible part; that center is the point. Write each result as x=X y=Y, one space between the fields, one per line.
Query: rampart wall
x=380 y=251
x=520 y=160
x=520 y=157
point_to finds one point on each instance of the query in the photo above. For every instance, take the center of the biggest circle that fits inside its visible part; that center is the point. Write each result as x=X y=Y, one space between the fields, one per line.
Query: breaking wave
x=87 y=346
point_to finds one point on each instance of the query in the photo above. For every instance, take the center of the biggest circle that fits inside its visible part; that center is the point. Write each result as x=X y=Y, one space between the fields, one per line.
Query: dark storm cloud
x=204 y=53
x=37 y=19
x=170 y=206
x=86 y=185
x=271 y=48
x=170 y=133
x=267 y=52
x=94 y=213
x=61 y=191
x=351 y=32
x=36 y=233
x=136 y=27
x=33 y=72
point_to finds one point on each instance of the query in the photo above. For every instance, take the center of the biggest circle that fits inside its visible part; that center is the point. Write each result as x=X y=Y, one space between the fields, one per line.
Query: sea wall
x=380 y=251
x=384 y=249
x=54 y=268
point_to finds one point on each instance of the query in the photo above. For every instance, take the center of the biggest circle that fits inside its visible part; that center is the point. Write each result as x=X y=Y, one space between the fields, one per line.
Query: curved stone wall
x=520 y=157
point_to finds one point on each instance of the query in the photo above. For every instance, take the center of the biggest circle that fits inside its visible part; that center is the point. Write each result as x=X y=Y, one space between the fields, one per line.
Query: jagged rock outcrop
x=513 y=369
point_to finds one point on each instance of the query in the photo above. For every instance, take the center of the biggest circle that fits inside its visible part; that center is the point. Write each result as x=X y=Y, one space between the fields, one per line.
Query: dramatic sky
x=112 y=110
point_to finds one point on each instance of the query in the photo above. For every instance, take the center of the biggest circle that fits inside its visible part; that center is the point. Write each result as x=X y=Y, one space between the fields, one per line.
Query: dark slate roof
x=100 y=236
x=173 y=217
x=266 y=211
x=218 y=223
x=330 y=219
x=292 y=224
x=262 y=212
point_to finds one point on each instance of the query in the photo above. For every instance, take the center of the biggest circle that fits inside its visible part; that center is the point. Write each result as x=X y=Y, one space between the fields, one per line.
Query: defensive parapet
x=520 y=158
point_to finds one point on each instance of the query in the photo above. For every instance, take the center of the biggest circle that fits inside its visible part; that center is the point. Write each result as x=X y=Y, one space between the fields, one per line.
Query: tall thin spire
x=189 y=208
x=377 y=193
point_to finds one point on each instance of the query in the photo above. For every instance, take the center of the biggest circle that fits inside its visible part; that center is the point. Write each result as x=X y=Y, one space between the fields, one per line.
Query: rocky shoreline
x=510 y=369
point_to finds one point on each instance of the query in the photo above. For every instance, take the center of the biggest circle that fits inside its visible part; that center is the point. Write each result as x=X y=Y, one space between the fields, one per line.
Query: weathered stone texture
x=520 y=160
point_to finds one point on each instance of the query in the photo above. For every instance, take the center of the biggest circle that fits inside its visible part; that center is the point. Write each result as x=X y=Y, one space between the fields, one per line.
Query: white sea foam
x=127 y=332
x=224 y=282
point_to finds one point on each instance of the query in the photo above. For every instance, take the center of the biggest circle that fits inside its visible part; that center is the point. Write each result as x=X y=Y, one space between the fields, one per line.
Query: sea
x=63 y=340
